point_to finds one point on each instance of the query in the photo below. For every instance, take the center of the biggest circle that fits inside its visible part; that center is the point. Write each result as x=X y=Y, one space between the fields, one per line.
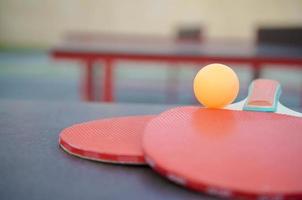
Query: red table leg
x=300 y=98
x=108 y=80
x=87 y=89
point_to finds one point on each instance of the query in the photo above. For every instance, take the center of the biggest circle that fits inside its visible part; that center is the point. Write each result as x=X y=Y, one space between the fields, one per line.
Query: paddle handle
x=263 y=96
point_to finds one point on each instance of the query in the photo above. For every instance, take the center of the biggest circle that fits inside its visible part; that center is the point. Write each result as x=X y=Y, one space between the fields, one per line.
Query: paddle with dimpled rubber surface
x=231 y=153
x=117 y=140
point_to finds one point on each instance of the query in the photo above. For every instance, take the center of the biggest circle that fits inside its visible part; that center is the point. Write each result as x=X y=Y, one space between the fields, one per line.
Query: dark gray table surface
x=32 y=165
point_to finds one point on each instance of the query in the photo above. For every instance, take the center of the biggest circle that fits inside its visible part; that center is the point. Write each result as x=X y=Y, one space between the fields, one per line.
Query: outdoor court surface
x=34 y=75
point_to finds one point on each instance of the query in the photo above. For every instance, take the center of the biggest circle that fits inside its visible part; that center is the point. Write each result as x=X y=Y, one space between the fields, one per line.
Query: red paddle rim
x=212 y=189
x=103 y=157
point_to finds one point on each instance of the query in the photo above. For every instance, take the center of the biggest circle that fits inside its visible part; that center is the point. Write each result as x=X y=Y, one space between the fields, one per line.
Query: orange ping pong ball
x=216 y=85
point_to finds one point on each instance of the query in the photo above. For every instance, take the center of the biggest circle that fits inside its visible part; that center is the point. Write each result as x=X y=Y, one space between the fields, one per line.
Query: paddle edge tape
x=101 y=157
x=263 y=96
x=214 y=190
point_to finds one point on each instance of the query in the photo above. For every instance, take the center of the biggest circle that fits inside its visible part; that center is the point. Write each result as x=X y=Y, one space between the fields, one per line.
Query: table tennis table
x=92 y=48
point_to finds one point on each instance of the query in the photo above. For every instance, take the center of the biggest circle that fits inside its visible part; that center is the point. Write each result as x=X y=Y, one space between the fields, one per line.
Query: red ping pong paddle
x=115 y=140
x=231 y=153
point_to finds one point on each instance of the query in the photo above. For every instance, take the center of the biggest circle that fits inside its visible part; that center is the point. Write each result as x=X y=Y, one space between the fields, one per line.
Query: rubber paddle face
x=227 y=153
x=116 y=140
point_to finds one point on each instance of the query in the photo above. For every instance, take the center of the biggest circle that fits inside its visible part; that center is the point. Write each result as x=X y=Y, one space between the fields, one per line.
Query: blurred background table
x=91 y=48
